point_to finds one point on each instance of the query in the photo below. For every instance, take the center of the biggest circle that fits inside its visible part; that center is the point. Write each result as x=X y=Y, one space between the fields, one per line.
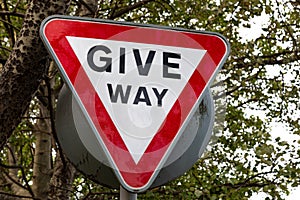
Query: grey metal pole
x=125 y=195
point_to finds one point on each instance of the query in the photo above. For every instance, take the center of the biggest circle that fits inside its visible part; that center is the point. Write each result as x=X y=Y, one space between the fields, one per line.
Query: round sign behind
x=81 y=146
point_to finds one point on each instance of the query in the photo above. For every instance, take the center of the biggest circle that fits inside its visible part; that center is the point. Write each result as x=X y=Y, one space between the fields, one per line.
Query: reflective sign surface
x=137 y=86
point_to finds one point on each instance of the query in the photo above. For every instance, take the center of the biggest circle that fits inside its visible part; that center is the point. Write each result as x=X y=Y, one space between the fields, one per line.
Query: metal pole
x=125 y=195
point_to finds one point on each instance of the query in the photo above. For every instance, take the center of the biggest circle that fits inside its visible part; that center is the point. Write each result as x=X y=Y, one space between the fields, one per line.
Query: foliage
x=262 y=89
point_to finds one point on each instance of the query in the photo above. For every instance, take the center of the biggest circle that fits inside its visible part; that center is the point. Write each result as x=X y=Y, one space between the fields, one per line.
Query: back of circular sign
x=81 y=146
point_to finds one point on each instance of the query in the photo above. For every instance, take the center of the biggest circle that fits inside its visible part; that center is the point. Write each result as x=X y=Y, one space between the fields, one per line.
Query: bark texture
x=62 y=179
x=12 y=176
x=42 y=166
x=21 y=74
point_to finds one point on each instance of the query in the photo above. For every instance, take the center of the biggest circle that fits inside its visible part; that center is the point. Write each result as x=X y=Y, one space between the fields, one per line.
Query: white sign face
x=137 y=83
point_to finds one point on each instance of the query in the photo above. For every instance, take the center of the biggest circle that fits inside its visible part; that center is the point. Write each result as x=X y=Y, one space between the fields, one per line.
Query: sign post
x=125 y=195
x=137 y=86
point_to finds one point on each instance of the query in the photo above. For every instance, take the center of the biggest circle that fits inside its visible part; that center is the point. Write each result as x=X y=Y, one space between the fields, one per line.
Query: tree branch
x=12 y=13
x=10 y=24
x=13 y=180
x=270 y=59
x=129 y=8
x=91 y=8
x=248 y=183
x=52 y=121
x=14 y=196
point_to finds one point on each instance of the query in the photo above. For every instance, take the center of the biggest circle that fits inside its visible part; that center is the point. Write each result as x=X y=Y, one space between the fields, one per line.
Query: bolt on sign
x=137 y=85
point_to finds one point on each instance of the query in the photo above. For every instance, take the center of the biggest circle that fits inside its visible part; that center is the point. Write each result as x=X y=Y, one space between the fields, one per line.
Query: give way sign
x=137 y=85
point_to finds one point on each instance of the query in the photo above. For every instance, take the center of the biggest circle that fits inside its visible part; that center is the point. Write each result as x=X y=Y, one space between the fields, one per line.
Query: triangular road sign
x=138 y=85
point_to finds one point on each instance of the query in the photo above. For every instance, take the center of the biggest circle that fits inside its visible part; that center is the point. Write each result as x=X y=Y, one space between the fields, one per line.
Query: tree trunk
x=62 y=179
x=25 y=67
x=42 y=157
